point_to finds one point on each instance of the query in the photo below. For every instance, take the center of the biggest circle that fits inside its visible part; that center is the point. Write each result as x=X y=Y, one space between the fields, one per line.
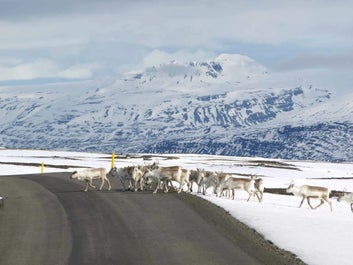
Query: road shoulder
x=240 y=234
x=33 y=223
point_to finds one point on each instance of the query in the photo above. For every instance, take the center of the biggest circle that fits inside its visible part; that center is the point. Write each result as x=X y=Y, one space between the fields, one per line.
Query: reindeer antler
x=291 y=183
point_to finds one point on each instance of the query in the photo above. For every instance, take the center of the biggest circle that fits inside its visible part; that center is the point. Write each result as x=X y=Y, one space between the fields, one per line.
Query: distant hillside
x=228 y=105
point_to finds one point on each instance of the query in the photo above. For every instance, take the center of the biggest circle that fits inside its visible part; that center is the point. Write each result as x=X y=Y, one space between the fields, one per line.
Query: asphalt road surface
x=48 y=219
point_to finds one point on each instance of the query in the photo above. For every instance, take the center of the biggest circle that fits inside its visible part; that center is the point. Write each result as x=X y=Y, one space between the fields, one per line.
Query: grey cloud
x=13 y=10
x=342 y=60
x=118 y=34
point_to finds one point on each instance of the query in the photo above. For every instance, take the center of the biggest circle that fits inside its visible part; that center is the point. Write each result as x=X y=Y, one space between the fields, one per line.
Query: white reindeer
x=307 y=192
x=259 y=188
x=88 y=175
x=165 y=175
x=346 y=197
x=123 y=174
x=137 y=179
x=197 y=176
x=130 y=174
x=211 y=179
x=232 y=183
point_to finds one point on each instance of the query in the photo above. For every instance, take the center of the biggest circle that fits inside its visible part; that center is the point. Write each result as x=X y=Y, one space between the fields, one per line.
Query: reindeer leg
x=140 y=182
x=138 y=185
x=199 y=188
x=308 y=199
x=302 y=202
x=189 y=184
x=122 y=182
x=329 y=202
x=172 y=187
x=164 y=186
x=250 y=194
x=101 y=186
x=214 y=189
x=321 y=203
x=352 y=207
x=109 y=186
x=180 y=187
x=157 y=186
x=135 y=185
x=233 y=192
x=86 y=188
x=181 y=183
x=91 y=185
x=258 y=197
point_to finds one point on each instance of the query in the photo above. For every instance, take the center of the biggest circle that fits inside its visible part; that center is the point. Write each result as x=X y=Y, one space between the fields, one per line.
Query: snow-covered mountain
x=227 y=105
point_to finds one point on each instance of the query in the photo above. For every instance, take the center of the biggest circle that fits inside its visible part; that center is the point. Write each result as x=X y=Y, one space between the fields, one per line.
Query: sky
x=66 y=40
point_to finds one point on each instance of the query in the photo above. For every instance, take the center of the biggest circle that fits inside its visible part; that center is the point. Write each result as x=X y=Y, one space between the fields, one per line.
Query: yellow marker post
x=42 y=168
x=113 y=158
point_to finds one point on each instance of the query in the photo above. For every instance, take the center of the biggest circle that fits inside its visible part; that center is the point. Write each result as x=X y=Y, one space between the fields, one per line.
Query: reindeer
x=232 y=183
x=259 y=188
x=90 y=174
x=307 y=192
x=165 y=175
x=346 y=197
x=197 y=176
x=133 y=175
x=211 y=179
x=136 y=181
x=124 y=175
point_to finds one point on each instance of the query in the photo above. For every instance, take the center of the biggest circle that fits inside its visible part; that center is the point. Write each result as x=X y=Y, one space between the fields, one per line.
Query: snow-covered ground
x=316 y=236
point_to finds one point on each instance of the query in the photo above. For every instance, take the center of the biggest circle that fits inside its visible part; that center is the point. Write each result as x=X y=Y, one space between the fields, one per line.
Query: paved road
x=47 y=219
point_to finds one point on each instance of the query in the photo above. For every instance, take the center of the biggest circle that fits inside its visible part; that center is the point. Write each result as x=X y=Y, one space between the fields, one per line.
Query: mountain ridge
x=228 y=105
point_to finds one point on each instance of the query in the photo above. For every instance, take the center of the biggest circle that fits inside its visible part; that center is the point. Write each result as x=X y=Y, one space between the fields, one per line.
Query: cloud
x=331 y=61
x=23 y=10
x=43 y=68
x=187 y=24
x=157 y=57
x=118 y=35
x=76 y=72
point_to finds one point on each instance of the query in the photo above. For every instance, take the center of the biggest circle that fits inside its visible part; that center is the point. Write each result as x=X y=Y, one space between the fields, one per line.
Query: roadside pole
x=113 y=159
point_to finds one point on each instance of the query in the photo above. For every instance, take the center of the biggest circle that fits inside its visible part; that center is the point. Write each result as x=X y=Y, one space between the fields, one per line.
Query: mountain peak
x=222 y=69
x=233 y=59
x=239 y=67
x=225 y=105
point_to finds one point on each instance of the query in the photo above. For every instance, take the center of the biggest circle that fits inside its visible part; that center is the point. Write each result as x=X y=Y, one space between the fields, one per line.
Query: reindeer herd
x=153 y=177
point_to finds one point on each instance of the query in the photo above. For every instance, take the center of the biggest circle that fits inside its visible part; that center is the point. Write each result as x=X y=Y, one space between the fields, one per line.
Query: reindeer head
x=290 y=187
x=155 y=165
x=112 y=172
x=72 y=174
x=148 y=176
x=341 y=195
x=148 y=180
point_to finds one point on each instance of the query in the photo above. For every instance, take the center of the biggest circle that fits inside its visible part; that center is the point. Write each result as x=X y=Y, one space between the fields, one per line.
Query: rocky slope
x=227 y=105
